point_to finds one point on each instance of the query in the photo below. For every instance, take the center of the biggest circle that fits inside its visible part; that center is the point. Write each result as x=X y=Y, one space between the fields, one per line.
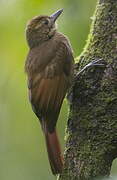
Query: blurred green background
x=22 y=148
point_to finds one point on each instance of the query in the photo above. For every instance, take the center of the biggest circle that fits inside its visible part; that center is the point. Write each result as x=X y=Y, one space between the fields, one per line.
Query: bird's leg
x=93 y=63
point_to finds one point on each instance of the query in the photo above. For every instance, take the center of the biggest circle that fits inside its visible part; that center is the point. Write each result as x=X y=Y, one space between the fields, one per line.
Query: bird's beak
x=54 y=16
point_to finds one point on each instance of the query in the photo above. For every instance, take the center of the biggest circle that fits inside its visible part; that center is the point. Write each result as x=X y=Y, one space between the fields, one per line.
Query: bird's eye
x=45 y=22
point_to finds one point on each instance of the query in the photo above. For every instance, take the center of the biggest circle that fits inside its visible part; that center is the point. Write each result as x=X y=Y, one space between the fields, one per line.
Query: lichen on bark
x=91 y=136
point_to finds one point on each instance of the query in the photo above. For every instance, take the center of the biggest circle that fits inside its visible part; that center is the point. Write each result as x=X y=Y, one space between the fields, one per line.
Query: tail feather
x=54 y=152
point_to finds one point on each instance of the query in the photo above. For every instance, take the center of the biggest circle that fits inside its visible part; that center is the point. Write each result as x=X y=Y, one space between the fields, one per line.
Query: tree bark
x=91 y=136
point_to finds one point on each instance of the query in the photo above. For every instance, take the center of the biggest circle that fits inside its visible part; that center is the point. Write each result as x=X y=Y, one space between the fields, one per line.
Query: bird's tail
x=54 y=151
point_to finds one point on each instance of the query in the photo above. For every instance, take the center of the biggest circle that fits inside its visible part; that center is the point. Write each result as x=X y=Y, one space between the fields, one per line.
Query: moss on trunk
x=91 y=136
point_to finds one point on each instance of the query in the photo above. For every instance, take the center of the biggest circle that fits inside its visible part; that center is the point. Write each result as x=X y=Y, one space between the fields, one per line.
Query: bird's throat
x=36 y=39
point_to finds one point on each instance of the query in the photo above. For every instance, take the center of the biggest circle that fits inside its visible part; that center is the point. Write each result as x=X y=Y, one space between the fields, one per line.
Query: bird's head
x=41 y=28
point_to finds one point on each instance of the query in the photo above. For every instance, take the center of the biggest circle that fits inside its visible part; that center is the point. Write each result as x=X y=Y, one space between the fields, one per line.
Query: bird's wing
x=47 y=88
x=38 y=57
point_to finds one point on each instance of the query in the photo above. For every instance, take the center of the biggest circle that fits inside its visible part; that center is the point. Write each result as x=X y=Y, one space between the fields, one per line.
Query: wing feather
x=48 y=83
x=47 y=97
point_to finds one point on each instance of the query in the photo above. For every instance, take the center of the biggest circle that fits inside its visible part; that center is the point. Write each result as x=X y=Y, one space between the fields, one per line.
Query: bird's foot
x=93 y=63
x=98 y=62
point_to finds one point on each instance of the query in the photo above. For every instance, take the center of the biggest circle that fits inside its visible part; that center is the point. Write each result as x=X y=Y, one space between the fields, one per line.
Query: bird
x=49 y=68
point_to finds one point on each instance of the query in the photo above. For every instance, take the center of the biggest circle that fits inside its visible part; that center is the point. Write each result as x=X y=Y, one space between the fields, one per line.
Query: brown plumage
x=49 y=66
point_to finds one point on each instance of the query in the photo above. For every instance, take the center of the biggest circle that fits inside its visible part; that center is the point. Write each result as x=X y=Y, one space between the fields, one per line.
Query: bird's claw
x=93 y=63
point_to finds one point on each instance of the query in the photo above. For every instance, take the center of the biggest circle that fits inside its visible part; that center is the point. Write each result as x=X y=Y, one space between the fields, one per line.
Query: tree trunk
x=91 y=136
